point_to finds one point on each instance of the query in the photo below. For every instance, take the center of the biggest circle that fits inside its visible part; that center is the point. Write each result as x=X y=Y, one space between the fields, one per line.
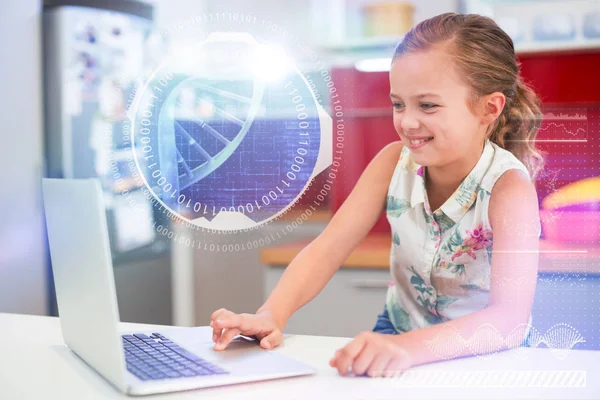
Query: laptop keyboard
x=156 y=357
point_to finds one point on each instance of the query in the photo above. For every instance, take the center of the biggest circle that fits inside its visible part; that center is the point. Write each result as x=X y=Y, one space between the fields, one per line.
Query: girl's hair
x=485 y=55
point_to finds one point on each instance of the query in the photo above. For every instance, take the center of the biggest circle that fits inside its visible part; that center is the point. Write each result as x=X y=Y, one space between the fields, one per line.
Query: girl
x=457 y=188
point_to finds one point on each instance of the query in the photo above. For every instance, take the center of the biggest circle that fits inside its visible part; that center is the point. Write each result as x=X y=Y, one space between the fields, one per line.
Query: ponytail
x=517 y=126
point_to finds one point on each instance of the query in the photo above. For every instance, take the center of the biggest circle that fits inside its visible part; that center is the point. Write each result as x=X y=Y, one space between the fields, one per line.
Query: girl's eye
x=397 y=106
x=428 y=106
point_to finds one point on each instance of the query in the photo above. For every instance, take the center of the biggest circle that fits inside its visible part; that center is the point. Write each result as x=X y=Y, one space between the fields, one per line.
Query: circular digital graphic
x=234 y=144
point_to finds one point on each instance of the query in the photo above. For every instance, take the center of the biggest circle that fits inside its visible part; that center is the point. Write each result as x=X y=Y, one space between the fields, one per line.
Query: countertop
x=374 y=252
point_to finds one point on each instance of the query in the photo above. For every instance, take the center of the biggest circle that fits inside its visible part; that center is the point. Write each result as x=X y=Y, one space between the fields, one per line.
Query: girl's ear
x=493 y=104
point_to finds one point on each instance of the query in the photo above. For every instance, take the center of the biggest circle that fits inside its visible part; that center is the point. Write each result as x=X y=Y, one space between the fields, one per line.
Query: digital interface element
x=237 y=142
x=564 y=126
x=200 y=128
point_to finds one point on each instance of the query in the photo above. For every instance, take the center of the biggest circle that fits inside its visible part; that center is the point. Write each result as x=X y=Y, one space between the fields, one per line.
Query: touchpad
x=242 y=342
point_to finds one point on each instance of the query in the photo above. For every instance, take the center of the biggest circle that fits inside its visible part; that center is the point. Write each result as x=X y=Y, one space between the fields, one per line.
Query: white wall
x=22 y=240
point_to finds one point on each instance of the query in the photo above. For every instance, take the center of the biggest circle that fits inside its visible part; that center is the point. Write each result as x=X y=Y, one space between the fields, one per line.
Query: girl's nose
x=409 y=121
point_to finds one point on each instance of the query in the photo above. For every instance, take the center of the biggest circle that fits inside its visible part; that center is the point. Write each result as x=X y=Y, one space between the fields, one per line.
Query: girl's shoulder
x=502 y=161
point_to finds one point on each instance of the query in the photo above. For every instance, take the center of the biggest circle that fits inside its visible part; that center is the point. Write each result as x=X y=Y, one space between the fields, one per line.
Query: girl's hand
x=226 y=325
x=373 y=354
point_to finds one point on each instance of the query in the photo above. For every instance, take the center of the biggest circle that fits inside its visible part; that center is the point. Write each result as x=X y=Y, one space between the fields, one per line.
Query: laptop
x=137 y=363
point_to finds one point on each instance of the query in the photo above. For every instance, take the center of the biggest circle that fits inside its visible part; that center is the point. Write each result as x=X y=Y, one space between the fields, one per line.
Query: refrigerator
x=96 y=53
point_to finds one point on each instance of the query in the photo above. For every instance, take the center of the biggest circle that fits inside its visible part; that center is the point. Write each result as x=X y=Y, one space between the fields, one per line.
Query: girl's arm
x=314 y=266
x=513 y=214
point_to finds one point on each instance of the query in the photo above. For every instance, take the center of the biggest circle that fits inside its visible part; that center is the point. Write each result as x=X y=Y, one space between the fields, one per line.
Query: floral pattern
x=401 y=318
x=443 y=302
x=483 y=194
x=444 y=222
x=432 y=227
x=441 y=260
x=396 y=207
x=477 y=239
x=396 y=239
x=425 y=297
x=467 y=192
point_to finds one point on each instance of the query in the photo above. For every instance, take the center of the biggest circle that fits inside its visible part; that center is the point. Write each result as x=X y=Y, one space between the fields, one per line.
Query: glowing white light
x=183 y=58
x=373 y=65
x=271 y=63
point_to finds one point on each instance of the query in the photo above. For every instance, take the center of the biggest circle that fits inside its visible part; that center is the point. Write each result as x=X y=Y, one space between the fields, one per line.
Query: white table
x=35 y=364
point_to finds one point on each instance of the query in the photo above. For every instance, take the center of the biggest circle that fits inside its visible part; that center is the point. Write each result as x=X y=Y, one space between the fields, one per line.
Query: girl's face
x=431 y=114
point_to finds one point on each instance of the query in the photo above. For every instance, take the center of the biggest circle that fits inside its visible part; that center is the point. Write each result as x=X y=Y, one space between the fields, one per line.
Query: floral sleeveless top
x=440 y=260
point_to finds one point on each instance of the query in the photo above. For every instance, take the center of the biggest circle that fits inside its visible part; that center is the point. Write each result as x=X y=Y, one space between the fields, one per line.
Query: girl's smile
x=419 y=142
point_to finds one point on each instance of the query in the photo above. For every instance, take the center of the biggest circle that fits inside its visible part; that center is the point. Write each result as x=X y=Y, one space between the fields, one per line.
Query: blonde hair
x=485 y=55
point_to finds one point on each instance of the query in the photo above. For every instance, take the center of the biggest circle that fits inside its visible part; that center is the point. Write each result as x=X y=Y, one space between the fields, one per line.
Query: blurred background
x=71 y=68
